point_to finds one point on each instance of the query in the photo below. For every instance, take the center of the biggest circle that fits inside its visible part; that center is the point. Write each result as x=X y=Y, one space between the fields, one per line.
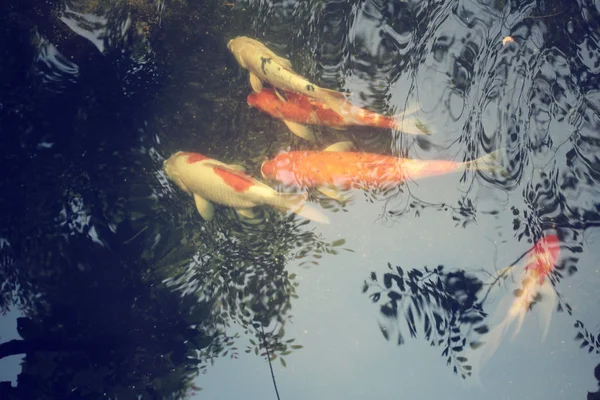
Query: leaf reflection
x=441 y=305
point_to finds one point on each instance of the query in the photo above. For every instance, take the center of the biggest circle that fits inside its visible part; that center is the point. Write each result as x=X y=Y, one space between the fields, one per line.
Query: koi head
x=236 y=46
x=169 y=163
x=237 y=43
x=256 y=99
x=268 y=169
x=266 y=100
x=170 y=166
x=280 y=169
x=544 y=255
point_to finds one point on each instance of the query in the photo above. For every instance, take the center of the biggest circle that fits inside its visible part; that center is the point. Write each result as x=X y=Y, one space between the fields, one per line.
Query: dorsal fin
x=340 y=146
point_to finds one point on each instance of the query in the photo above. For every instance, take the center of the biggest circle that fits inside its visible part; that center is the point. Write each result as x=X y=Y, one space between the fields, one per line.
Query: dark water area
x=112 y=285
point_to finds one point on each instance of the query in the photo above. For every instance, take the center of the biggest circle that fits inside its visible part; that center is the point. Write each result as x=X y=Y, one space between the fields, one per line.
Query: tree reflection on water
x=124 y=291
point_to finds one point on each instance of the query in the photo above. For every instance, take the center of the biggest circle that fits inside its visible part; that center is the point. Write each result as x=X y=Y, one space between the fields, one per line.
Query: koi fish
x=338 y=169
x=266 y=66
x=299 y=110
x=540 y=263
x=209 y=180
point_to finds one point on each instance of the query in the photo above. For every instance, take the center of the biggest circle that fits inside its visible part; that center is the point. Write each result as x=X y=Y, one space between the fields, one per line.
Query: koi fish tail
x=478 y=356
x=407 y=111
x=491 y=343
x=410 y=125
x=336 y=100
x=490 y=162
x=547 y=306
x=296 y=203
x=494 y=280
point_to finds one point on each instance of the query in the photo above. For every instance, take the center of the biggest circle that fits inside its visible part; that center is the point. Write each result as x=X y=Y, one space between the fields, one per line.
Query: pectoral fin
x=179 y=182
x=333 y=194
x=256 y=83
x=547 y=306
x=303 y=131
x=407 y=111
x=236 y=167
x=246 y=212
x=205 y=208
x=296 y=203
x=340 y=146
x=280 y=95
x=412 y=126
x=284 y=62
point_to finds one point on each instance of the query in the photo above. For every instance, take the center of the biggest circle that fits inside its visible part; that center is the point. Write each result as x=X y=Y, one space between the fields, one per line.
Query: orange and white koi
x=299 y=110
x=338 y=169
x=209 y=180
x=266 y=66
x=540 y=262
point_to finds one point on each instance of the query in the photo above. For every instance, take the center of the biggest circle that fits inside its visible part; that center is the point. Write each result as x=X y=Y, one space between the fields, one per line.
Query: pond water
x=113 y=286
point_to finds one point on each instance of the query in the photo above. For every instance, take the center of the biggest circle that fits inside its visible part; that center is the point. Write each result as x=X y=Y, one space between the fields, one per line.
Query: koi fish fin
x=204 y=207
x=284 y=62
x=411 y=126
x=246 y=212
x=520 y=318
x=547 y=306
x=256 y=83
x=491 y=342
x=495 y=278
x=331 y=94
x=340 y=146
x=296 y=203
x=475 y=377
x=303 y=131
x=333 y=194
x=311 y=213
x=238 y=168
x=489 y=162
x=334 y=99
x=407 y=112
x=280 y=95
x=179 y=182
x=502 y=273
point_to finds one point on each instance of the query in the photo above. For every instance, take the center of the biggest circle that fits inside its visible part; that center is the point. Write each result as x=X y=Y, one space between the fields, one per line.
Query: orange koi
x=298 y=110
x=540 y=263
x=344 y=170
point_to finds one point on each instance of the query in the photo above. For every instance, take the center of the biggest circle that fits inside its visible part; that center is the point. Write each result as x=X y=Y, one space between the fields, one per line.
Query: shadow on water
x=126 y=292
x=444 y=303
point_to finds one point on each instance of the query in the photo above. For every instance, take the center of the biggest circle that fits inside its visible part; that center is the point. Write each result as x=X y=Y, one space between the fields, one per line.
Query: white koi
x=211 y=181
x=266 y=66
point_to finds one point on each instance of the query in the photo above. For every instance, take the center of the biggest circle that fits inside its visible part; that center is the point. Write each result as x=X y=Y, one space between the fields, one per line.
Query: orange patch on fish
x=304 y=110
x=348 y=169
x=544 y=255
x=238 y=181
x=195 y=157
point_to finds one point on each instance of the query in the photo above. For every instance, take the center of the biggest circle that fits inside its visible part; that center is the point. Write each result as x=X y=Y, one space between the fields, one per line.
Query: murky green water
x=112 y=285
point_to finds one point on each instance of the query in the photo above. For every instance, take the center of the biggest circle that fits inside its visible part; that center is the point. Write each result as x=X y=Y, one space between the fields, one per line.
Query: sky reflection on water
x=121 y=288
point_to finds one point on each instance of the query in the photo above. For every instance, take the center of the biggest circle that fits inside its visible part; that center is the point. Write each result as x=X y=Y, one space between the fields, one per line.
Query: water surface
x=112 y=286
